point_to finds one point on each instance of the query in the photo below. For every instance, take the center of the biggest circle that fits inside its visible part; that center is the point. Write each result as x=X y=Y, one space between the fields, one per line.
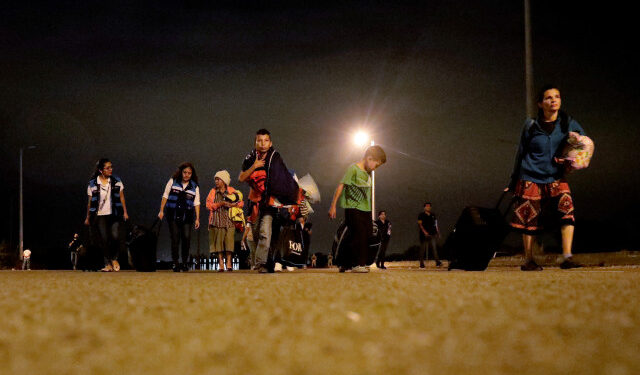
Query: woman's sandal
x=107 y=268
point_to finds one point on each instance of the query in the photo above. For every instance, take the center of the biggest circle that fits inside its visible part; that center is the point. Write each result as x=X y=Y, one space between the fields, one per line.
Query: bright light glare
x=361 y=139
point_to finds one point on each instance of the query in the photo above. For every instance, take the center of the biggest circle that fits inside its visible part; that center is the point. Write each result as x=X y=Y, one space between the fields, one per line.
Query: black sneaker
x=184 y=268
x=422 y=266
x=175 y=267
x=438 y=263
x=531 y=265
x=382 y=267
x=569 y=263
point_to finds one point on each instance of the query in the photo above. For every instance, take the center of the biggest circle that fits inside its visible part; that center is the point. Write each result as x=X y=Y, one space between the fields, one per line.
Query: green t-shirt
x=357 y=189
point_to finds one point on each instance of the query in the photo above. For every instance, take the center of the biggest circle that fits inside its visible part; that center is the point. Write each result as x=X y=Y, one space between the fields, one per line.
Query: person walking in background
x=26 y=260
x=268 y=177
x=106 y=213
x=247 y=244
x=384 y=228
x=429 y=232
x=354 y=192
x=221 y=228
x=74 y=248
x=181 y=206
x=538 y=181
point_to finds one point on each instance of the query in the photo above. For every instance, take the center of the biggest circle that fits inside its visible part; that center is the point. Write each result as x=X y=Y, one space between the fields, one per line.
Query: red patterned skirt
x=537 y=205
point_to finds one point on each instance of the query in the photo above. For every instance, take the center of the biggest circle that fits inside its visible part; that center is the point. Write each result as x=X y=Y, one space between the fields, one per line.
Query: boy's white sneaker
x=277 y=267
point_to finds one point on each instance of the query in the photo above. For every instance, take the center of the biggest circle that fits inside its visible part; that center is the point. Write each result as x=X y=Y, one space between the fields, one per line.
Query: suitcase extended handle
x=157 y=222
x=500 y=199
x=506 y=212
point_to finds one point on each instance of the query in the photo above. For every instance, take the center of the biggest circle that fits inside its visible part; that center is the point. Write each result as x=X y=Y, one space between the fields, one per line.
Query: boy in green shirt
x=354 y=192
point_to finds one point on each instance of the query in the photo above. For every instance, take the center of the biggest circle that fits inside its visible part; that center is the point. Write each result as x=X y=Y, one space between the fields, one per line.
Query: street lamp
x=361 y=139
x=21 y=204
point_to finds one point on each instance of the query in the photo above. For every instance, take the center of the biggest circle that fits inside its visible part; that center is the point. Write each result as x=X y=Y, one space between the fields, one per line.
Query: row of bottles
x=210 y=263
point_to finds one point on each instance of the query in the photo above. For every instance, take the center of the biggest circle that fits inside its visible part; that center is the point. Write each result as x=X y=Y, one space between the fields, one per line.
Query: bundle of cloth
x=308 y=194
x=577 y=152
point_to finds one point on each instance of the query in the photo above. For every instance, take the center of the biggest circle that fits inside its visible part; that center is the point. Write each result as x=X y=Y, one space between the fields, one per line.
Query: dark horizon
x=439 y=85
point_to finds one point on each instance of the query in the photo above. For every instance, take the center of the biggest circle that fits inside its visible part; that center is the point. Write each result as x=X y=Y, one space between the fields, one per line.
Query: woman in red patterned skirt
x=538 y=179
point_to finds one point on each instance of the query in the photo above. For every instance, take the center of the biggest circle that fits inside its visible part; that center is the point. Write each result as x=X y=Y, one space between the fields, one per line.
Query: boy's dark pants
x=360 y=229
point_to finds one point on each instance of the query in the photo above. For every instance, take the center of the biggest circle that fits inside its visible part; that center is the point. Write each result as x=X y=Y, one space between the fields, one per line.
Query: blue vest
x=116 y=205
x=180 y=204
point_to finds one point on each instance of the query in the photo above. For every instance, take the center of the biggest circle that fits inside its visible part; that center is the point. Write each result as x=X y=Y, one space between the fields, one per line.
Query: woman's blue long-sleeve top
x=537 y=149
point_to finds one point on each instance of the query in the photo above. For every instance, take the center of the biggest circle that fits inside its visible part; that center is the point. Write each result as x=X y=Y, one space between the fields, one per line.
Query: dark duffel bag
x=143 y=243
x=341 y=241
x=476 y=237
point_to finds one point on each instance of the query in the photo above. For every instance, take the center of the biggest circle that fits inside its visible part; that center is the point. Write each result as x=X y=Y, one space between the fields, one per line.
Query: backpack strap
x=529 y=130
x=565 y=119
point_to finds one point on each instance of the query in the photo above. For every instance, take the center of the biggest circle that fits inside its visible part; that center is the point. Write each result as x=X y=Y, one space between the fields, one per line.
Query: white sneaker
x=277 y=267
x=359 y=269
x=291 y=269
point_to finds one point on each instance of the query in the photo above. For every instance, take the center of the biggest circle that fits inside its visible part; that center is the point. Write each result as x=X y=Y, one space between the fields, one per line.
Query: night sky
x=440 y=85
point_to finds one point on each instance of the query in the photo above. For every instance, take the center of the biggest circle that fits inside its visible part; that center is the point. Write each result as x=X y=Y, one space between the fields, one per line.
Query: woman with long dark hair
x=106 y=213
x=539 y=180
x=181 y=206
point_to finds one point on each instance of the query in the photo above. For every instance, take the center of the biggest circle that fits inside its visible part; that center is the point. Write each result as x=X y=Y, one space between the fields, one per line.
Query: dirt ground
x=398 y=321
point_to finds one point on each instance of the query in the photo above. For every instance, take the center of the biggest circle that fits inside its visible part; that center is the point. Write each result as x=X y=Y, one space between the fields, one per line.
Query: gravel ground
x=399 y=321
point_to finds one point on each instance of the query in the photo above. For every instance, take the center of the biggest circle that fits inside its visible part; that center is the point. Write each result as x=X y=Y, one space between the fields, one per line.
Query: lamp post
x=361 y=138
x=21 y=233
x=528 y=59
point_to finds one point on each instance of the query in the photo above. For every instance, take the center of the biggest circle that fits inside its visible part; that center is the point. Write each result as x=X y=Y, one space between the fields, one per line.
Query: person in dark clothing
x=428 y=230
x=181 y=206
x=74 y=247
x=384 y=228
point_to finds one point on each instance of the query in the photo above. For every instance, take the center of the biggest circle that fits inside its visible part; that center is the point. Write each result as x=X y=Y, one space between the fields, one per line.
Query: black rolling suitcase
x=476 y=237
x=340 y=242
x=89 y=257
x=143 y=243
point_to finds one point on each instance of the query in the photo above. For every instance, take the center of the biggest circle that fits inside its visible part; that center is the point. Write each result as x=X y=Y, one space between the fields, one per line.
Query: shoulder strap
x=529 y=125
x=530 y=132
x=565 y=119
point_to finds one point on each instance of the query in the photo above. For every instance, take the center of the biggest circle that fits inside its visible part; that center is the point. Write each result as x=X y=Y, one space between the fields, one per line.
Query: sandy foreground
x=398 y=321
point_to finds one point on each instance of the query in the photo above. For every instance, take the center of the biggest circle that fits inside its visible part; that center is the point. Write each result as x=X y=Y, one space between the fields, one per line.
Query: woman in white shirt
x=106 y=213
x=181 y=206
